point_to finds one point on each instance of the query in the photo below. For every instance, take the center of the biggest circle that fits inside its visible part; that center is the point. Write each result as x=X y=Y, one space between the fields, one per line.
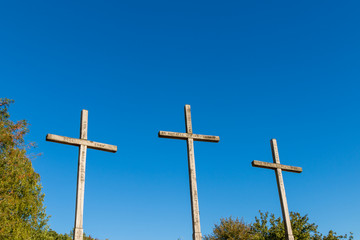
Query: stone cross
x=190 y=137
x=280 y=182
x=83 y=144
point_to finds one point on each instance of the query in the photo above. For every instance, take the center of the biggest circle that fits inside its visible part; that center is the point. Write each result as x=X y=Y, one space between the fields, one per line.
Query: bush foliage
x=268 y=227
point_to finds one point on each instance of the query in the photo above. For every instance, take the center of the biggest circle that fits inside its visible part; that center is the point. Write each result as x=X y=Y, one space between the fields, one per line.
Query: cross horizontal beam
x=78 y=142
x=276 y=166
x=184 y=136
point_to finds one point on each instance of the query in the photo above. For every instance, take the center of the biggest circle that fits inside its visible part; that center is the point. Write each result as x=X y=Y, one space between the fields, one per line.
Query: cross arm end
x=51 y=137
x=173 y=135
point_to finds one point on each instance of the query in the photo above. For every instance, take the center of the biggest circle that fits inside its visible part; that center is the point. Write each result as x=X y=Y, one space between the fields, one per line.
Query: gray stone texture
x=83 y=144
x=280 y=183
x=190 y=138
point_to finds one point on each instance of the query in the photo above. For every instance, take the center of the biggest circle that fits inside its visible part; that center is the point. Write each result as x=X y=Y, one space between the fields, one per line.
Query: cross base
x=197 y=236
x=290 y=237
x=78 y=234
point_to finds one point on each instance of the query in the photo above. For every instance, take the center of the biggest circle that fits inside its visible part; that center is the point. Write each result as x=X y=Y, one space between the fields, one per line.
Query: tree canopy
x=230 y=229
x=268 y=227
x=22 y=214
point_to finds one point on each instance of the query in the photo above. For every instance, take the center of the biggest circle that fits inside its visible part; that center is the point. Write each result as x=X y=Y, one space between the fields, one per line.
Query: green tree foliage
x=22 y=214
x=273 y=228
x=268 y=227
x=52 y=235
x=230 y=229
x=265 y=228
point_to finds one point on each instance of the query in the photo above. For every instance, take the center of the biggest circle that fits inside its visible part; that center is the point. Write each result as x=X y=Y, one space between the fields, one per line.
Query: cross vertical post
x=79 y=209
x=195 y=212
x=281 y=189
x=190 y=137
x=83 y=145
x=280 y=183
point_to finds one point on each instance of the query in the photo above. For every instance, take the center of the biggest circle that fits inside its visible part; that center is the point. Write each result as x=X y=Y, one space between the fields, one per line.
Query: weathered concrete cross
x=280 y=182
x=83 y=144
x=190 y=137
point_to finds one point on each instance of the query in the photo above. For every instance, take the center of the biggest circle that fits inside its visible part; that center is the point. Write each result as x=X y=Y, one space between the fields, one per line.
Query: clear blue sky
x=251 y=71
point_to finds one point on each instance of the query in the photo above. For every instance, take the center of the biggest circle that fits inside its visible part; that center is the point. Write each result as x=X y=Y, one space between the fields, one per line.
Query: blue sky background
x=251 y=71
